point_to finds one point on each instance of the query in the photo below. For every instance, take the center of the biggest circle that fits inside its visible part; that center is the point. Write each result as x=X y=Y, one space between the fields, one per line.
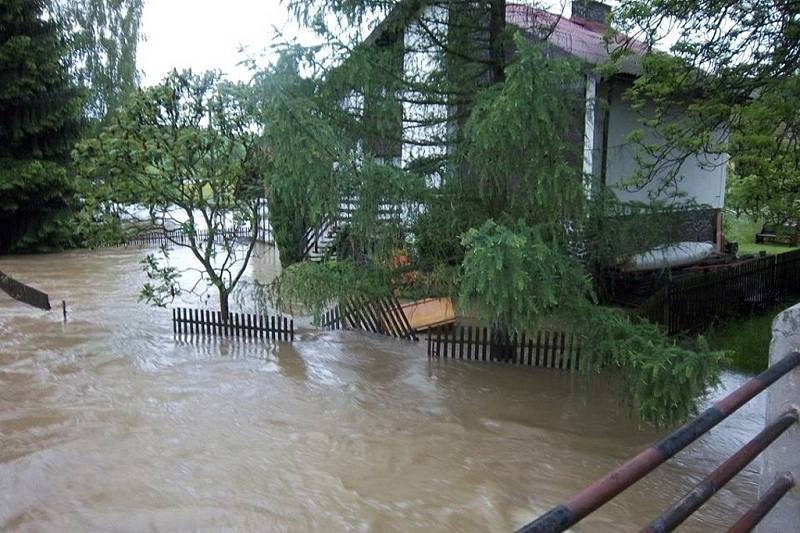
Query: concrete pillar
x=784 y=454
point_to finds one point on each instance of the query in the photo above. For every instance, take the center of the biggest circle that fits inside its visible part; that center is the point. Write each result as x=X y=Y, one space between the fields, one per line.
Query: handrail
x=683 y=508
x=600 y=492
x=782 y=484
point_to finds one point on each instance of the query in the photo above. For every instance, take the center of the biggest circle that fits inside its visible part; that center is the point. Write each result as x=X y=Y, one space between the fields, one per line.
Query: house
x=607 y=119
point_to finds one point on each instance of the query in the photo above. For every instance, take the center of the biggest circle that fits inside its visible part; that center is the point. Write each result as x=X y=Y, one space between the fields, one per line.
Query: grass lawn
x=747 y=338
x=743 y=230
x=753 y=248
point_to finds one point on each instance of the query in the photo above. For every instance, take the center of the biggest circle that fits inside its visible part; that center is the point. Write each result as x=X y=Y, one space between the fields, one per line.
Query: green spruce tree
x=39 y=120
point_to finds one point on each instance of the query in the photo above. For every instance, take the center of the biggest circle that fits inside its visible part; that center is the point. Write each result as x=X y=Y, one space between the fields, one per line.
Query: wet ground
x=109 y=422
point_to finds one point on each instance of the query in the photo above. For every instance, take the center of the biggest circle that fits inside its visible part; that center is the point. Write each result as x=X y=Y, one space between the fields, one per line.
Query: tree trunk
x=501 y=344
x=497 y=26
x=223 y=304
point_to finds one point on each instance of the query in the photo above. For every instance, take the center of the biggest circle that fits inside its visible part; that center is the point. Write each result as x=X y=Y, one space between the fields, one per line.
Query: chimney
x=590 y=11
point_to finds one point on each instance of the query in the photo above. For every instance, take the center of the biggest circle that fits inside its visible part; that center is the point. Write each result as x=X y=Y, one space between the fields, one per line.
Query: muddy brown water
x=109 y=423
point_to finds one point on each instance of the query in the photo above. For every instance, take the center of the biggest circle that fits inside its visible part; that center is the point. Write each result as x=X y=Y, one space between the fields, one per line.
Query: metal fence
x=693 y=303
x=604 y=490
x=180 y=237
x=264 y=231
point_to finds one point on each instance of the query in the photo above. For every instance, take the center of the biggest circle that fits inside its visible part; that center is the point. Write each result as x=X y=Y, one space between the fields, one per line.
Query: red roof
x=579 y=37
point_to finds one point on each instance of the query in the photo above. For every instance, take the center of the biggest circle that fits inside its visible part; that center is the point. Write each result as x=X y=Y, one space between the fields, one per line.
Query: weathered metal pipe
x=600 y=492
x=782 y=484
x=683 y=508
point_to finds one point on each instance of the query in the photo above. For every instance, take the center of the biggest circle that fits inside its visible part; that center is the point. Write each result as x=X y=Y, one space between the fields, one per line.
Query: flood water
x=109 y=422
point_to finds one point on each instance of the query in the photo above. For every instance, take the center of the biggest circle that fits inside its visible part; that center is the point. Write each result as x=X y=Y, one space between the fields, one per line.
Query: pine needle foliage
x=39 y=121
x=483 y=118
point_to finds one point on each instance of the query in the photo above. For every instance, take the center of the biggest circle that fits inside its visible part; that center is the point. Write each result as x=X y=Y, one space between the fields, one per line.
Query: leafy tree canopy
x=490 y=187
x=728 y=85
x=182 y=155
x=103 y=37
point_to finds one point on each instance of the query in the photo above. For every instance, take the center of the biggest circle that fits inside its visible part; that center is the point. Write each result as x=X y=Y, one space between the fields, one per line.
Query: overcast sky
x=206 y=34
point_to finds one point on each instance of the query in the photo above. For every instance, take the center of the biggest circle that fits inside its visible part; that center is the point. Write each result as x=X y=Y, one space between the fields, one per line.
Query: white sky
x=206 y=34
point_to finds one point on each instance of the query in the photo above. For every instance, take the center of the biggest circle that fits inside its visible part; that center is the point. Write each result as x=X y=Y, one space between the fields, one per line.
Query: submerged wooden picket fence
x=545 y=349
x=377 y=315
x=241 y=325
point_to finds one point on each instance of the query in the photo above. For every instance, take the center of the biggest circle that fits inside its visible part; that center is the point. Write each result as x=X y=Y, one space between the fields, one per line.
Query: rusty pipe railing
x=683 y=508
x=600 y=492
x=782 y=484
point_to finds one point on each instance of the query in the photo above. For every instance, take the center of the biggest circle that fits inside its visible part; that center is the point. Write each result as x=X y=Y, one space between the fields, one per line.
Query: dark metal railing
x=782 y=484
x=683 y=508
x=602 y=491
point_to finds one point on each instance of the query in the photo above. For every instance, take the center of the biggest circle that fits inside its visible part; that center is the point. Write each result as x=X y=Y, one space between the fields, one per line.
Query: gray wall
x=703 y=178
x=783 y=455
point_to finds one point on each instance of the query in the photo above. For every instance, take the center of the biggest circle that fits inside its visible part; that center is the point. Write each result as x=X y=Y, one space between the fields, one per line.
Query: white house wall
x=702 y=178
x=419 y=62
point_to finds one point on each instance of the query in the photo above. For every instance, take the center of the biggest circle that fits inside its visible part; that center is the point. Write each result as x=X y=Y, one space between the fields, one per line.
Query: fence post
x=784 y=454
x=668 y=307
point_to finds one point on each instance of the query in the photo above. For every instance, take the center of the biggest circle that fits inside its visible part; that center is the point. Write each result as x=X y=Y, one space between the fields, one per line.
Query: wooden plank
x=391 y=318
x=568 y=359
x=356 y=313
x=404 y=319
x=547 y=357
x=348 y=315
x=370 y=310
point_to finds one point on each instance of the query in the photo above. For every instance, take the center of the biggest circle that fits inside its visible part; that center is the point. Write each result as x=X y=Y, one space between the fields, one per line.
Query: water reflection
x=110 y=421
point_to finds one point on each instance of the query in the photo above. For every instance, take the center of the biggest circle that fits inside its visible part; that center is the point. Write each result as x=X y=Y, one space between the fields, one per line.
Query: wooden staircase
x=320 y=241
